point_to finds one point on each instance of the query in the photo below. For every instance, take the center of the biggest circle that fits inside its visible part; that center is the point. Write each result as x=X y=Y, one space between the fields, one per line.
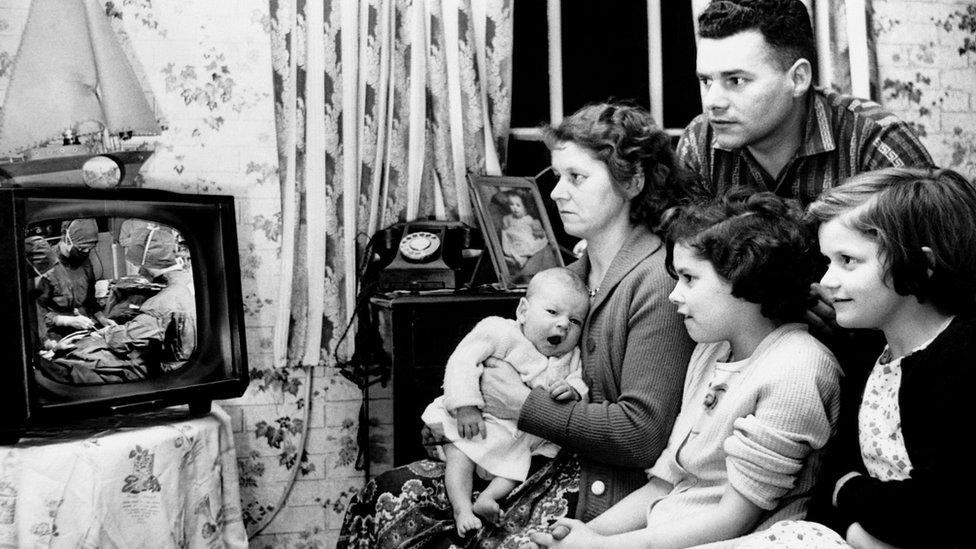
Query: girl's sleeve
x=796 y=413
x=842 y=455
x=633 y=430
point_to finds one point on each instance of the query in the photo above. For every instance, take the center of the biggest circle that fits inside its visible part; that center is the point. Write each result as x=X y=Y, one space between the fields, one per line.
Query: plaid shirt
x=842 y=136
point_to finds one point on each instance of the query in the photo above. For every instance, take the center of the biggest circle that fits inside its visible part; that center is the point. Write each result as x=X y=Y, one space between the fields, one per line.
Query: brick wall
x=926 y=79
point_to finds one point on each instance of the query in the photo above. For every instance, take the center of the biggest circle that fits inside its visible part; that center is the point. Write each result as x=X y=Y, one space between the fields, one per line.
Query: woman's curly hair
x=758 y=242
x=626 y=139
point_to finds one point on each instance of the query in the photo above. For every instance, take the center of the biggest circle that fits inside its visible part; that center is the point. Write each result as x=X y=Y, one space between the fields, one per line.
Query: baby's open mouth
x=554 y=340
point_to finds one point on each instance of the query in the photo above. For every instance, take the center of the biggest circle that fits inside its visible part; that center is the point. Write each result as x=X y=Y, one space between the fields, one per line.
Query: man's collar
x=818 y=135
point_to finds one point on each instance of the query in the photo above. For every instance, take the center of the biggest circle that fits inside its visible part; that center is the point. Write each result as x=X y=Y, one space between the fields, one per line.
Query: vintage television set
x=195 y=351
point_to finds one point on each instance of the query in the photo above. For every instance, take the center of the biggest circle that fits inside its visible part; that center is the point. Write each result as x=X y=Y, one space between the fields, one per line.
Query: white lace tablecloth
x=153 y=480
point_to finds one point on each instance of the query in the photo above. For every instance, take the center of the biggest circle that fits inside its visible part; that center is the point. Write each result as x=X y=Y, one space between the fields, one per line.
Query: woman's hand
x=503 y=389
x=430 y=442
x=567 y=534
x=859 y=538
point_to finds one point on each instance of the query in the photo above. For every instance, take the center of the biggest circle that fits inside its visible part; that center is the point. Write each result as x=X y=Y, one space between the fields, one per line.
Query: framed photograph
x=516 y=228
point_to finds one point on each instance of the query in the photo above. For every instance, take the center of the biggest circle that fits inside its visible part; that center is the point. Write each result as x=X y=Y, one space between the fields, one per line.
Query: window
x=600 y=52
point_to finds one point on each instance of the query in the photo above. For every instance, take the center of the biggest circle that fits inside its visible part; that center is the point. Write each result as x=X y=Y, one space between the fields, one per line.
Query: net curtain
x=382 y=108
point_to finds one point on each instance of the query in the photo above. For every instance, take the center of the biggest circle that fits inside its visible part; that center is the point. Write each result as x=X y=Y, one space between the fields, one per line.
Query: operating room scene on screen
x=113 y=299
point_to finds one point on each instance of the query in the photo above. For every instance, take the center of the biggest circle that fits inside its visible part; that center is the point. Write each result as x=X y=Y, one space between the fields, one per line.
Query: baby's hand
x=561 y=390
x=470 y=422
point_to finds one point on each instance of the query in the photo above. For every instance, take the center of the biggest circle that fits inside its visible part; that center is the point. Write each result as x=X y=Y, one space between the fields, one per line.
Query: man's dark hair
x=785 y=24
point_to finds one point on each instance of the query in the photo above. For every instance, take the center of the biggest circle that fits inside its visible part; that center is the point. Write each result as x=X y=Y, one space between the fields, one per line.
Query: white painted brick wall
x=915 y=44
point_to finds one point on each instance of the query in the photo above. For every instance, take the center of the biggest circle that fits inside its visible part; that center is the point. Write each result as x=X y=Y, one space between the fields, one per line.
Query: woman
x=617 y=174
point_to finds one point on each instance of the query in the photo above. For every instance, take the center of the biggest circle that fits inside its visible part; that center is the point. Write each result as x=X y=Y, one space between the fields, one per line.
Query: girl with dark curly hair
x=617 y=175
x=761 y=395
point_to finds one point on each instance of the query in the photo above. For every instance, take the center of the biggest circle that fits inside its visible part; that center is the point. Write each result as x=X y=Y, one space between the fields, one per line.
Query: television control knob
x=420 y=245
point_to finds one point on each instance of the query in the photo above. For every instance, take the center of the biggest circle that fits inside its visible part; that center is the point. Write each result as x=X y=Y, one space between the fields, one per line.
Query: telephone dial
x=429 y=255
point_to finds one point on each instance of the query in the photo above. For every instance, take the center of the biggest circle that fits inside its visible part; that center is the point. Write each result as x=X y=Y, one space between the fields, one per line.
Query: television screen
x=127 y=299
x=114 y=299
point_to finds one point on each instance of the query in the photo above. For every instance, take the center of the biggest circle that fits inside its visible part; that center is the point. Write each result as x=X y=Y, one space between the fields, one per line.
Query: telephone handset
x=428 y=255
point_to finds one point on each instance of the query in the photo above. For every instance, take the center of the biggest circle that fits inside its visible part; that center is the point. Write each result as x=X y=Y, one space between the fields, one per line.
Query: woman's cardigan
x=932 y=507
x=635 y=351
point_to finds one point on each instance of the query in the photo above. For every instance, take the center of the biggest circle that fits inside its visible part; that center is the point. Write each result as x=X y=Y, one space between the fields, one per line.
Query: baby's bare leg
x=487 y=503
x=458 y=477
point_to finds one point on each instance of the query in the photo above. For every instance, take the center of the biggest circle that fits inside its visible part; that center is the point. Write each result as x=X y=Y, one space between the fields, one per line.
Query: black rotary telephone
x=428 y=255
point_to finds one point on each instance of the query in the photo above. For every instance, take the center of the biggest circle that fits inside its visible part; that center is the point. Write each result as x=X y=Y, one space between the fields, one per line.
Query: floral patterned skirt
x=407 y=508
x=792 y=534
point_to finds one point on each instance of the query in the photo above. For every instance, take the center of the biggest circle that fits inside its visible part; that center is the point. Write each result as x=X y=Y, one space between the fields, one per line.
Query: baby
x=522 y=234
x=541 y=345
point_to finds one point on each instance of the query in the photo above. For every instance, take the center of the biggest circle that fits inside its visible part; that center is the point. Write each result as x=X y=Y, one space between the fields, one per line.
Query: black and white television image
x=114 y=299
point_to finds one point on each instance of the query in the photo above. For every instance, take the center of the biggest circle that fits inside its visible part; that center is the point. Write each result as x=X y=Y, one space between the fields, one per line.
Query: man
x=764 y=125
x=165 y=328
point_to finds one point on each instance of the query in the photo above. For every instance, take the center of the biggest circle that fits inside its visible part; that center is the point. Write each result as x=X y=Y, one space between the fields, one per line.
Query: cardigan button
x=598 y=488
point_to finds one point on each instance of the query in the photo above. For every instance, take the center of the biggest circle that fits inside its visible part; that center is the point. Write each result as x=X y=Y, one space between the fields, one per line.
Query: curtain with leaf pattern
x=382 y=108
x=835 y=24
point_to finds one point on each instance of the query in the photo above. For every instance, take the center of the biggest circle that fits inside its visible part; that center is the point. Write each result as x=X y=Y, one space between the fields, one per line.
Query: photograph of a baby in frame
x=519 y=234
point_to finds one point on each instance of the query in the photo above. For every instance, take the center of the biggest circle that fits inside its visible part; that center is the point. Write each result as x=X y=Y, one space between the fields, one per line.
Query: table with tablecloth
x=161 y=479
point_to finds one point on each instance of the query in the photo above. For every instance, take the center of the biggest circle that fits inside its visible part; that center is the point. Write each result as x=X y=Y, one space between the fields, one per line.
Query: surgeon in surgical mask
x=166 y=321
x=68 y=289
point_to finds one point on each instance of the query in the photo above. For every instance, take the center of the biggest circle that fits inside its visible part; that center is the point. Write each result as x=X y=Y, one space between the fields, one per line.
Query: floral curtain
x=382 y=108
x=833 y=22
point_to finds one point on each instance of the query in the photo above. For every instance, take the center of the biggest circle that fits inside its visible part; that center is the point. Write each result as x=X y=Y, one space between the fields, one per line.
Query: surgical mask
x=75 y=252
